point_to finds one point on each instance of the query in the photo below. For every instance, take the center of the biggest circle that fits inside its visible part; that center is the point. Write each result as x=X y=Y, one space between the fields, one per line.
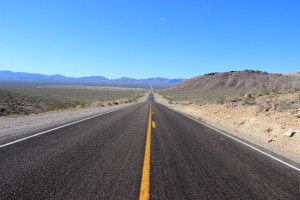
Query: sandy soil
x=15 y=127
x=276 y=131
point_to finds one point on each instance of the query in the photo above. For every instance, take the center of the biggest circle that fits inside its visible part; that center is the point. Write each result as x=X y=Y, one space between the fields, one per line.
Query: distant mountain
x=94 y=78
x=237 y=81
x=124 y=81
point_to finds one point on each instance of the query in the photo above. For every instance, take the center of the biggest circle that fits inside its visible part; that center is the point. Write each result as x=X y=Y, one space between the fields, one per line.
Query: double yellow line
x=145 y=184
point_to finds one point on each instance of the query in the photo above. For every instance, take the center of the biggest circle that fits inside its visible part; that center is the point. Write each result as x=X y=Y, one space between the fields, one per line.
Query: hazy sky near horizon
x=149 y=38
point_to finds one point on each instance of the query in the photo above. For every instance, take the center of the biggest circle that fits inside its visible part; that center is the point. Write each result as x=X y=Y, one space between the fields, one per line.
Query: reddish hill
x=237 y=81
x=295 y=74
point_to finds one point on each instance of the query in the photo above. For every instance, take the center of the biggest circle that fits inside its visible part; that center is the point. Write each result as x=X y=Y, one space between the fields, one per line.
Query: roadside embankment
x=277 y=131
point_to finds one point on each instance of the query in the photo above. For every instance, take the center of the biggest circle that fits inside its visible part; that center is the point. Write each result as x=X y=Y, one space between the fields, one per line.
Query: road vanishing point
x=144 y=151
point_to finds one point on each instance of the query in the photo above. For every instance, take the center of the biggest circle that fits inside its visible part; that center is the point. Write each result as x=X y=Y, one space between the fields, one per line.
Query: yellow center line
x=144 y=192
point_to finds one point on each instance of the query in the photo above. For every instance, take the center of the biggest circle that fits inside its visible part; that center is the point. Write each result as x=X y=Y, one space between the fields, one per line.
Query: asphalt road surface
x=102 y=158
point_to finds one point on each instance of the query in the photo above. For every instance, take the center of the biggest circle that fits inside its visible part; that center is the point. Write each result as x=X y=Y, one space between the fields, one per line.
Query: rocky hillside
x=238 y=81
x=295 y=74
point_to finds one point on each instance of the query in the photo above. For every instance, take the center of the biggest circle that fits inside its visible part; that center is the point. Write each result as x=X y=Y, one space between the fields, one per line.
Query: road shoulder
x=252 y=140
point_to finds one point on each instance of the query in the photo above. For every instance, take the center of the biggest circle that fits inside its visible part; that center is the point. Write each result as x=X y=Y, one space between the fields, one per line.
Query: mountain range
x=124 y=81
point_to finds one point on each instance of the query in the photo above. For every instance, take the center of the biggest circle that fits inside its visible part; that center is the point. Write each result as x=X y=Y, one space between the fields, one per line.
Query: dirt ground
x=262 y=123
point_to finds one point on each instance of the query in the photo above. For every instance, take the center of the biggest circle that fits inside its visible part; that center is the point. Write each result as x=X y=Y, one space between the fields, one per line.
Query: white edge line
x=59 y=127
x=252 y=147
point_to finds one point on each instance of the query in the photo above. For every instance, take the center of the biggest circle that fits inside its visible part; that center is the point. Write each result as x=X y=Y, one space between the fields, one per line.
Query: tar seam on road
x=145 y=184
x=244 y=143
x=59 y=127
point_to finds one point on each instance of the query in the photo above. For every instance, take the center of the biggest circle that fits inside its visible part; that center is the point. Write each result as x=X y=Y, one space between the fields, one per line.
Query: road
x=104 y=158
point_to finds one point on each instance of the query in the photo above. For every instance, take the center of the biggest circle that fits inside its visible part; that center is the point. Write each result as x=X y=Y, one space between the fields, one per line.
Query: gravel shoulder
x=19 y=126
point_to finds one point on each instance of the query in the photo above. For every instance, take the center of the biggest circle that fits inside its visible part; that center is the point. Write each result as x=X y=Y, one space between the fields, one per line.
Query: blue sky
x=149 y=38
